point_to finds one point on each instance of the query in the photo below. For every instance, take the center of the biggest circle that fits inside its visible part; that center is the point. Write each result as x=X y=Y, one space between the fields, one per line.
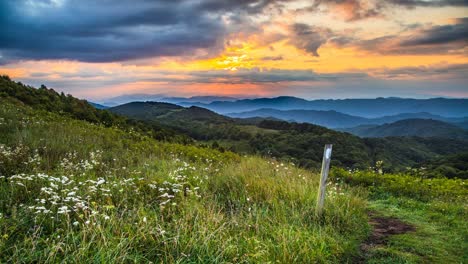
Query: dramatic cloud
x=436 y=35
x=451 y=38
x=353 y=10
x=428 y=3
x=236 y=46
x=103 y=31
x=438 y=72
x=309 y=38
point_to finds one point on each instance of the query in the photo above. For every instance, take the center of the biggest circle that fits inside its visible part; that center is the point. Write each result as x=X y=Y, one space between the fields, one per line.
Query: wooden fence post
x=323 y=178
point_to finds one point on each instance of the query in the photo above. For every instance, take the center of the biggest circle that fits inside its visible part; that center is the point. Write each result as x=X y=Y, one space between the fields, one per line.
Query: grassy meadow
x=72 y=192
x=77 y=192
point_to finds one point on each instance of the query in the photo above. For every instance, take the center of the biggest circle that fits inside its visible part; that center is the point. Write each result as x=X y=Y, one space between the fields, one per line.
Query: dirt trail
x=383 y=228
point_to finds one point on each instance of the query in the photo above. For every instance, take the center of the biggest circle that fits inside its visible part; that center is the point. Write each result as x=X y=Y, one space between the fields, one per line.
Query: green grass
x=435 y=207
x=440 y=236
x=76 y=192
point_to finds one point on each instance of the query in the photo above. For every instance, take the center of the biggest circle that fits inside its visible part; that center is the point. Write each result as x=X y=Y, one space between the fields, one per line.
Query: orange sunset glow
x=252 y=48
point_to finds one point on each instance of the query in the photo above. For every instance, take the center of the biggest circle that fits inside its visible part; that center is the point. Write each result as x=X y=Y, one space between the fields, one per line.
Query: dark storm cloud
x=105 y=31
x=433 y=71
x=452 y=38
x=434 y=3
x=249 y=6
x=309 y=38
x=417 y=39
x=361 y=9
x=457 y=32
x=437 y=39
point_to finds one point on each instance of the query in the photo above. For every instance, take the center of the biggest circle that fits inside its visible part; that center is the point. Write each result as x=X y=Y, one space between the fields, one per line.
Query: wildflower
x=100 y=181
x=166 y=195
x=63 y=210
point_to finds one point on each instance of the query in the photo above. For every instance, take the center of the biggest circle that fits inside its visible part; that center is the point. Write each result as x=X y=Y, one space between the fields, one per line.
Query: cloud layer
x=247 y=45
x=103 y=31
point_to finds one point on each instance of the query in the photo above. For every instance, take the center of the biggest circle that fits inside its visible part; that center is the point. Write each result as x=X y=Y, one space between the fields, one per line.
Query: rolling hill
x=333 y=119
x=369 y=108
x=411 y=127
x=198 y=123
x=46 y=99
x=330 y=119
x=292 y=141
x=128 y=98
x=168 y=113
x=98 y=106
x=419 y=115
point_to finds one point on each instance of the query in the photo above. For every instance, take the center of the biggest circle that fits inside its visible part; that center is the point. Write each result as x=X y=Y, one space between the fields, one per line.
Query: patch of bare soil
x=382 y=229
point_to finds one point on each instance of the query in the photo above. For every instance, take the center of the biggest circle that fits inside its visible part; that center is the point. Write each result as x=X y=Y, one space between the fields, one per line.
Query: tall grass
x=75 y=192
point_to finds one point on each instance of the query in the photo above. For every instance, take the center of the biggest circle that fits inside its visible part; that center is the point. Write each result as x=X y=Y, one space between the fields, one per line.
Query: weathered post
x=323 y=178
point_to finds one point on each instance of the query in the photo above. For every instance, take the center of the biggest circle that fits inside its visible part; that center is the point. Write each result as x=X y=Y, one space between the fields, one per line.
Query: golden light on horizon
x=339 y=38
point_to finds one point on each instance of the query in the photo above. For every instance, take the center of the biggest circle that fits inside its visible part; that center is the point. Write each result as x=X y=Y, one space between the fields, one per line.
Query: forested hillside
x=49 y=100
x=412 y=127
x=336 y=120
x=300 y=143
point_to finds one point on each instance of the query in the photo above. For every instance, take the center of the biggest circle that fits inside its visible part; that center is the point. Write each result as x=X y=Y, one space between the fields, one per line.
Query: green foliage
x=412 y=127
x=304 y=143
x=435 y=207
x=402 y=184
x=452 y=166
x=51 y=101
x=401 y=152
x=196 y=122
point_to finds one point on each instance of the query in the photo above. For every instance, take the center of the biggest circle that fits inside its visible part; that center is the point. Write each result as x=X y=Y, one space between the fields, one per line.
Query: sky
x=245 y=48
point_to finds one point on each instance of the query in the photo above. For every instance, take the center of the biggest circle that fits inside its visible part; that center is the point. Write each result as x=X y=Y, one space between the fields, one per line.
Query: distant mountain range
x=98 y=106
x=411 y=127
x=123 y=99
x=334 y=119
x=368 y=108
x=330 y=119
x=301 y=141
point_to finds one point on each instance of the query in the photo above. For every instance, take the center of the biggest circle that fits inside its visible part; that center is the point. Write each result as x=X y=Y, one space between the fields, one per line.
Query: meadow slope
x=76 y=192
x=80 y=191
